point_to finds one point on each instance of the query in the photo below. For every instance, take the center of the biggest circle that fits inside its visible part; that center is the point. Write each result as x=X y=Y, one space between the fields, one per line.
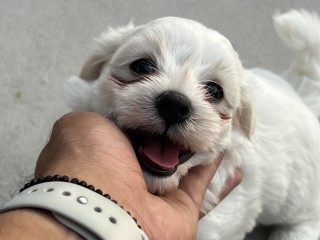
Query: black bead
x=40 y=180
x=139 y=226
x=99 y=191
x=32 y=182
x=129 y=213
x=114 y=201
x=134 y=219
x=65 y=178
x=82 y=183
x=27 y=185
x=74 y=180
x=107 y=196
x=48 y=179
x=91 y=187
x=56 y=178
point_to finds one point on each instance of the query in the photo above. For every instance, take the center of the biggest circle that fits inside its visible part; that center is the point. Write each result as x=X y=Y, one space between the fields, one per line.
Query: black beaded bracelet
x=58 y=178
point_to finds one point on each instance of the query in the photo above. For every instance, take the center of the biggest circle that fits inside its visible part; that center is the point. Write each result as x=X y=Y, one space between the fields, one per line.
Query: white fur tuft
x=81 y=95
x=300 y=31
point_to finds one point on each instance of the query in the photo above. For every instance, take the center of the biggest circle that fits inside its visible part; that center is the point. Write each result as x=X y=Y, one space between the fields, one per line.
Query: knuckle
x=78 y=123
x=73 y=118
x=66 y=121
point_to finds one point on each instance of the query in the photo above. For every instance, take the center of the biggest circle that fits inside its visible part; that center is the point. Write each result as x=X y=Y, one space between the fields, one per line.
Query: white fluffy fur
x=272 y=136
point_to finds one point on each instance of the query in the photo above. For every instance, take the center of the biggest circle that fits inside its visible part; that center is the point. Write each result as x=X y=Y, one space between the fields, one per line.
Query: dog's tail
x=300 y=31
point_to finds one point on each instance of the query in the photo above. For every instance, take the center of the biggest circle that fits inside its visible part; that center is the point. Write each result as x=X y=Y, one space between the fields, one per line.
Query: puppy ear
x=103 y=49
x=244 y=116
x=91 y=69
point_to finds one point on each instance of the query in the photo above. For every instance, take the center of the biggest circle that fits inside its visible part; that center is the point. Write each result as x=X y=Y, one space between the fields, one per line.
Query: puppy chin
x=161 y=185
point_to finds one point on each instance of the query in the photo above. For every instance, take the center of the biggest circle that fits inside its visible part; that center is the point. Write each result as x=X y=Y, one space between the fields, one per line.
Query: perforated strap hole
x=113 y=220
x=82 y=200
x=49 y=189
x=98 y=209
x=33 y=190
x=66 y=193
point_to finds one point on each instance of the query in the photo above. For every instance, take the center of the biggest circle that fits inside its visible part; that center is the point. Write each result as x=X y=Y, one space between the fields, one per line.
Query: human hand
x=89 y=147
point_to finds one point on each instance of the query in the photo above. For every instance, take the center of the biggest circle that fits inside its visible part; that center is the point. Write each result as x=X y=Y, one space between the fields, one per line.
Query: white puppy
x=179 y=91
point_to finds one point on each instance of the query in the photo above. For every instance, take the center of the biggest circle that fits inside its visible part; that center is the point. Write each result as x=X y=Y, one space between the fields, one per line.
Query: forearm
x=33 y=224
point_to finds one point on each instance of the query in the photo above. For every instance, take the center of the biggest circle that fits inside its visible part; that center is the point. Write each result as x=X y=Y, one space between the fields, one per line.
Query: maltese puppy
x=180 y=93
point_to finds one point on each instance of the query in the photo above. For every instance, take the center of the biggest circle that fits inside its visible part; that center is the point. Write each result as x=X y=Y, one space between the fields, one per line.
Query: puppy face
x=174 y=87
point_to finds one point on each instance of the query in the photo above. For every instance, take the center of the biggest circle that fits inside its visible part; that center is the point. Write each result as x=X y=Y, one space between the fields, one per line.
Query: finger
x=196 y=182
x=231 y=183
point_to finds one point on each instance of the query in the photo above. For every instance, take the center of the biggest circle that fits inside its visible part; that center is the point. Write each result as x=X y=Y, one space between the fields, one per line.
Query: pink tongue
x=164 y=154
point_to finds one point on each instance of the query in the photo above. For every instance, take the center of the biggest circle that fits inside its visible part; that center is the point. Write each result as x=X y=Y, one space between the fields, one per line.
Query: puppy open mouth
x=158 y=155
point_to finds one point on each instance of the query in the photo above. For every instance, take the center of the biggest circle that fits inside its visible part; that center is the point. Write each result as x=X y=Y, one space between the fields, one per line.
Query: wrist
x=79 y=206
x=128 y=194
x=32 y=223
x=127 y=197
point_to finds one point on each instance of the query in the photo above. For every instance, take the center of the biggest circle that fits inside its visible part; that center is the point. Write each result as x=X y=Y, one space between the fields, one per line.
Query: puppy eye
x=215 y=90
x=142 y=67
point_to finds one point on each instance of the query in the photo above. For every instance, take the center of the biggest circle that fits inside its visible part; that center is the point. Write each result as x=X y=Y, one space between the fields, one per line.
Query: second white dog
x=180 y=92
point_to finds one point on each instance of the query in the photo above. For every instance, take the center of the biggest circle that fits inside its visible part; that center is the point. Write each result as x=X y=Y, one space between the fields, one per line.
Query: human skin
x=91 y=148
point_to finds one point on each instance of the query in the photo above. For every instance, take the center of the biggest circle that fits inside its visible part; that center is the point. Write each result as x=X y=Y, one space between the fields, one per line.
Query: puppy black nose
x=173 y=107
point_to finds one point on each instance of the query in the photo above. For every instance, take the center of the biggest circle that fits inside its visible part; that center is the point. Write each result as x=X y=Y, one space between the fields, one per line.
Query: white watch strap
x=88 y=213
